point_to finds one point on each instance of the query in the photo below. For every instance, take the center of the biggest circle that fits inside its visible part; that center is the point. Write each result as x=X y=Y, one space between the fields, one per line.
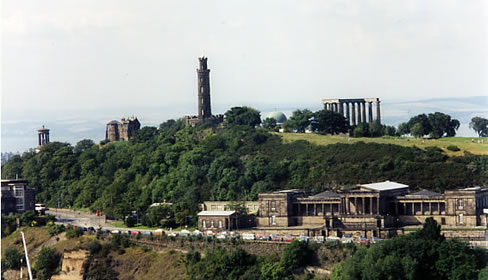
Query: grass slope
x=464 y=143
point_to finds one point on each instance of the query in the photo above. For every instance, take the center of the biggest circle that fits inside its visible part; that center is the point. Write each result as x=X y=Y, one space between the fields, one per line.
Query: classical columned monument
x=42 y=137
x=355 y=111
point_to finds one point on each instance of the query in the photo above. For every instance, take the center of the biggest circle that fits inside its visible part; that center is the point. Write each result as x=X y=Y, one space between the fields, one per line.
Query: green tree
x=403 y=129
x=296 y=254
x=376 y=129
x=423 y=120
x=480 y=126
x=243 y=116
x=442 y=124
x=361 y=130
x=83 y=145
x=299 y=120
x=417 y=130
x=47 y=263
x=329 y=122
x=12 y=258
x=390 y=130
x=269 y=123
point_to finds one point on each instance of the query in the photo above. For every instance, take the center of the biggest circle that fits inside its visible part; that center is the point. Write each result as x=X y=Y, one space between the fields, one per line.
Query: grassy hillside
x=464 y=143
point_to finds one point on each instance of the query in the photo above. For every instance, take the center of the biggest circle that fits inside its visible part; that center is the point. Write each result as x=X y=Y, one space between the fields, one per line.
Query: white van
x=248 y=236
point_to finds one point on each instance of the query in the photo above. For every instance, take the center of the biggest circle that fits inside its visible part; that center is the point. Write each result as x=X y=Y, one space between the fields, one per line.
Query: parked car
x=304 y=238
x=185 y=233
x=92 y=229
x=115 y=231
x=265 y=238
x=376 y=239
x=289 y=238
x=347 y=238
x=147 y=233
x=134 y=233
x=234 y=235
x=363 y=240
x=197 y=233
x=319 y=239
x=172 y=233
x=248 y=236
x=221 y=236
x=333 y=239
x=276 y=237
x=159 y=232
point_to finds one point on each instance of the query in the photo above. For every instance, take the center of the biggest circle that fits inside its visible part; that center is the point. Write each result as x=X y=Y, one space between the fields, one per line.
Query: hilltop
x=465 y=144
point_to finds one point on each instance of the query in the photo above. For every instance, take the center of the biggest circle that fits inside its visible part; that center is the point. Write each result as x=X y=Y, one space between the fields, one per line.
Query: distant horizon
x=19 y=131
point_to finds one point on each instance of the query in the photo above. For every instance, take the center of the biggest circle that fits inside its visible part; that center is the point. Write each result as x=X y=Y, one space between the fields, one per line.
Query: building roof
x=384 y=186
x=216 y=213
x=114 y=122
x=278 y=116
x=424 y=193
x=326 y=194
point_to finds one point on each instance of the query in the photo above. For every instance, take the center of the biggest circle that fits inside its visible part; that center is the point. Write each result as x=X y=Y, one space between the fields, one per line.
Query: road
x=80 y=218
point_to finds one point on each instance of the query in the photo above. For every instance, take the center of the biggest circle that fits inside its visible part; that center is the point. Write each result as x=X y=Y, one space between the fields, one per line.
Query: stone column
x=356 y=206
x=370 y=112
x=413 y=208
x=439 y=207
x=378 y=114
x=363 y=111
x=362 y=206
x=422 y=208
x=348 y=209
x=315 y=209
x=359 y=113
x=348 y=116
x=306 y=209
x=353 y=113
x=430 y=208
x=377 y=205
x=371 y=205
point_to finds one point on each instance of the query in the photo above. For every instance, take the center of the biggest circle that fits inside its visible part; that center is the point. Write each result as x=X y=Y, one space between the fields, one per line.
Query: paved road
x=80 y=218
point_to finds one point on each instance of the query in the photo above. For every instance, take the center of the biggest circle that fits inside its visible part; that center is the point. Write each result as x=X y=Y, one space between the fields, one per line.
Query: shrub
x=453 y=148
x=47 y=263
x=72 y=233
x=11 y=259
x=56 y=229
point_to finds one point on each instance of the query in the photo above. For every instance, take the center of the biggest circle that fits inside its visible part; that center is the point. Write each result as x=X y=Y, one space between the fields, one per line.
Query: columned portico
x=337 y=105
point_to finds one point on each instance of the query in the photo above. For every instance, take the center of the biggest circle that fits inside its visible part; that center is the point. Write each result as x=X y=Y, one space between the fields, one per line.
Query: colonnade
x=43 y=136
x=355 y=111
x=425 y=208
x=360 y=205
x=317 y=209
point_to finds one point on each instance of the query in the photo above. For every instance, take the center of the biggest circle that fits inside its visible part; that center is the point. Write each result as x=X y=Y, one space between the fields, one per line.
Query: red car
x=288 y=238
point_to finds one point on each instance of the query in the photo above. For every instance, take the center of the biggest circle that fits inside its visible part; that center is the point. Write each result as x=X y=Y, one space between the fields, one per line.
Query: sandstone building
x=123 y=130
x=203 y=93
x=379 y=209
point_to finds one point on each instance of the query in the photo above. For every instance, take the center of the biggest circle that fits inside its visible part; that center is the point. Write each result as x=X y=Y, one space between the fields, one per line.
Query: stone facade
x=355 y=111
x=218 y=220
x=203 y=93
x=16 y=197
x=379 y=209
x=123 y=130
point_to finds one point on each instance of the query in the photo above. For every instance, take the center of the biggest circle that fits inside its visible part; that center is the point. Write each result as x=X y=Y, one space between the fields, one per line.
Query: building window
x=204 y=224
x=214 y=207
x=220 y=207
x=461 y=219
x=273 y=220
x=273 y=205
x=460 y=203
x=211 y=224
x=220 y=223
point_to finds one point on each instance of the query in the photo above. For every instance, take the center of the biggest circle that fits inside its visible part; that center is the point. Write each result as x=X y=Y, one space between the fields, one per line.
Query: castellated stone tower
x=204 y=110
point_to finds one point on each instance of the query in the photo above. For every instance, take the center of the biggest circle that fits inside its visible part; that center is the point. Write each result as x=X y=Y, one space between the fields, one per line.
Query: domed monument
x=278 y=116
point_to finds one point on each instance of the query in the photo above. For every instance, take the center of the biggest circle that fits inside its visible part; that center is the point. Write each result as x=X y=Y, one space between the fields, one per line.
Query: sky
x=77 y=62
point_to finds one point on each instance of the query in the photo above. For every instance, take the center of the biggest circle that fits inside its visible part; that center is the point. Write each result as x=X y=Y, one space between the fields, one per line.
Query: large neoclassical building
x=377 y=209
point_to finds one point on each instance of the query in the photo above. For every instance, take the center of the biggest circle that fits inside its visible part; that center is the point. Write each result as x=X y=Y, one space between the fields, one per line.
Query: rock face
x=72 y=268
x=123 y=130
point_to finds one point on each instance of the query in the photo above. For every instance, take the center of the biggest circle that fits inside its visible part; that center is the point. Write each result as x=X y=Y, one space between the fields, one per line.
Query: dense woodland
x=187 y=165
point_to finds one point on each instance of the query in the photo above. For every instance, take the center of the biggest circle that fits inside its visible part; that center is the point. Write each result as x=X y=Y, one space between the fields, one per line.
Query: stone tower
x=204 y=110
x=42 y=137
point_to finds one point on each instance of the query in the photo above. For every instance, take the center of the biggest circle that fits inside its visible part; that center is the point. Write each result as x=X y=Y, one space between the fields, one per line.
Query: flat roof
x=216 y=213
x=384 y=186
